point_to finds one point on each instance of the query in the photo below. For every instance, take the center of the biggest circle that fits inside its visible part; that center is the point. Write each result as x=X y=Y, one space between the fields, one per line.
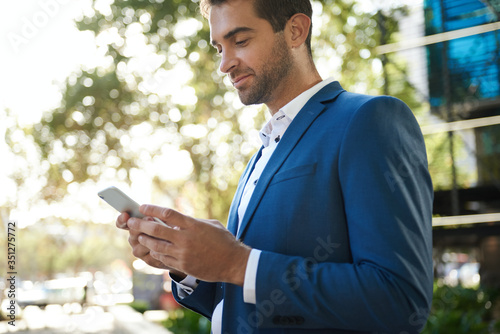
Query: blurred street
x=71 y=318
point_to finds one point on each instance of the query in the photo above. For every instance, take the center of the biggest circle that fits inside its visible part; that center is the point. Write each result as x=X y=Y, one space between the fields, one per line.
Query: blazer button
x=288 y=320
x=279 y=320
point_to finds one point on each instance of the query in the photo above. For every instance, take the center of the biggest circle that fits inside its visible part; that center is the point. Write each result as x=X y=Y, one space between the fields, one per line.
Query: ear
x=297 y=29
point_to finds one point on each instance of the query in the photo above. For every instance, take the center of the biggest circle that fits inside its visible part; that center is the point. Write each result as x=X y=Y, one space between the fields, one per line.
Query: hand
x=204 y=249
x=141 y=251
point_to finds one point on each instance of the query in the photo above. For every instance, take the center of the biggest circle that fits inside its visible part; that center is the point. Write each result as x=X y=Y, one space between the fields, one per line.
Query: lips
x=239 y=81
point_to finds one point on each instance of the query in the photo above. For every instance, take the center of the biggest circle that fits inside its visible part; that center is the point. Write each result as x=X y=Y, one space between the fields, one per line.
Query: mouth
x=239 y=81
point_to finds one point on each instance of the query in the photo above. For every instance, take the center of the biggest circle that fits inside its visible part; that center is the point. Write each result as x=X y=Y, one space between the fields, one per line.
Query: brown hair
x=276 y=12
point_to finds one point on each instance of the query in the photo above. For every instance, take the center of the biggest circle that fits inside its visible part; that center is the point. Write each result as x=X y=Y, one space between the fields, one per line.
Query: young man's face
x=256 y=59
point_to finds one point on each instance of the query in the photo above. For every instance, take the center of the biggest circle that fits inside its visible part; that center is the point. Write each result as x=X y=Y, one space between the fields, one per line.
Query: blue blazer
x=342 y=214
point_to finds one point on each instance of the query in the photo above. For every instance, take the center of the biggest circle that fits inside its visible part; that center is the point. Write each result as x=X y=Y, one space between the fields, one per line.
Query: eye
x=241 y=43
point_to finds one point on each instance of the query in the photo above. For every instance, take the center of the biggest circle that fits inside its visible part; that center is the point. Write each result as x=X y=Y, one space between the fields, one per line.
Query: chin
x=250 y=99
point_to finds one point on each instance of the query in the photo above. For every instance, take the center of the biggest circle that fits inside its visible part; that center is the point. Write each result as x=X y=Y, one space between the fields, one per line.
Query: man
x=330 y=228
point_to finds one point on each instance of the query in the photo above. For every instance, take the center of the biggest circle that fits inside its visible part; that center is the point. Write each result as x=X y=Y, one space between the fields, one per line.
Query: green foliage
x=457 y=310
x=351 y=34
x=184 y=321
x=102 y=106
x=139 y=306
x=440 y=163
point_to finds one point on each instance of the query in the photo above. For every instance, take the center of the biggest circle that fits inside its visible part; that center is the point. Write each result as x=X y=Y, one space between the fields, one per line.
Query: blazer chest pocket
x=294 y=173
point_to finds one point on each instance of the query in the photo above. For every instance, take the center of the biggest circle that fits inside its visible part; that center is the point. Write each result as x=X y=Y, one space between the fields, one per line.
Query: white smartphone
x=121 y=202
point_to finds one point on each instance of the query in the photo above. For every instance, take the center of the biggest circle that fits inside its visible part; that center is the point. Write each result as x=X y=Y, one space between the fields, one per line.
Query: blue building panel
x=473 y=62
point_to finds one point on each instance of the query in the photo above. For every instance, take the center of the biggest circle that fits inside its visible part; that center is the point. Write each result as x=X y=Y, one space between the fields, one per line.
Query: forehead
x=231 y=15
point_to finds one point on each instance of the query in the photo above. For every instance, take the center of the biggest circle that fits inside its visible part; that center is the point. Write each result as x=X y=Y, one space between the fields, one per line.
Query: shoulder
x=345 y=103
x=344 y=112
x=359 y=107
x=353 y=109
x=354 y=102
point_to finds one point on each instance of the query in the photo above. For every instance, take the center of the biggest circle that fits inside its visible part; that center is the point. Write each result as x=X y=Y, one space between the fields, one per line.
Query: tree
x=158 y=91
x=159 y=77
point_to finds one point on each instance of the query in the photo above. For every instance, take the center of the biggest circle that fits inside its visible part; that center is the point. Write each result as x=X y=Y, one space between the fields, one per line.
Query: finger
x=144 y=254
x=121 y=221
x=159 y=231
x=133 y=237
x=154 y=262
x=171 y=217
x=168 y=261
x=162 y=257
x=158 y=246
x=139 y=250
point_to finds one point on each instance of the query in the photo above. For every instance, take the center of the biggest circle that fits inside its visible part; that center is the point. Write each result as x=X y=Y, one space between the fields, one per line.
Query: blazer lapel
x=295 y=131
x=232 y=224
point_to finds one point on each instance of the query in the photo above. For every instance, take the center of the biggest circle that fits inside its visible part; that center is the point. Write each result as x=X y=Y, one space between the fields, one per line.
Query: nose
x=228 y=62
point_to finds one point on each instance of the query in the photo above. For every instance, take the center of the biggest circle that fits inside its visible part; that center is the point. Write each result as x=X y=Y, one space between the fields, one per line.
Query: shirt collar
x=293 y=107
x=287 y=113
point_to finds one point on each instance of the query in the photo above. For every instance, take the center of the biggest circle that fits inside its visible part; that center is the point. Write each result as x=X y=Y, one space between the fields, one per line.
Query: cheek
x=252 y=58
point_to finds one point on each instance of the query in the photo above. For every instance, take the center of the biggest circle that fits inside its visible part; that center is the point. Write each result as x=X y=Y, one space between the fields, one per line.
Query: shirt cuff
x=186 y=286
x=249 y=285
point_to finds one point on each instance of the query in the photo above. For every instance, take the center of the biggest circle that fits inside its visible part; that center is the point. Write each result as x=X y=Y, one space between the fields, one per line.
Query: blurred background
x=96 y=93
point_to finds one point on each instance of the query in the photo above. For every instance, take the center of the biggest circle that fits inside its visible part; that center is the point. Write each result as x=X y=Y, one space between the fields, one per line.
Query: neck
x=292 y=87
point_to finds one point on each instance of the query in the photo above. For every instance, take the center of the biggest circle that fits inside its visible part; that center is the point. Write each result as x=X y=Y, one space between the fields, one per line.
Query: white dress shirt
x=270 y=135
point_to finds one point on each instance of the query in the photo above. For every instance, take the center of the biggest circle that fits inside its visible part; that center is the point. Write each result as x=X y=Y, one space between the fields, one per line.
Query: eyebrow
x=232 y=33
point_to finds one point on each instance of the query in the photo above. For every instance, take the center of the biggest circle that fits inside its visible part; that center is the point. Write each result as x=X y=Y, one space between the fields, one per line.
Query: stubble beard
x=273 y=73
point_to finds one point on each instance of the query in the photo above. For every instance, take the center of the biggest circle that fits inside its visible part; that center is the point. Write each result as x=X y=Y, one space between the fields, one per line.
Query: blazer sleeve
x=388 y=194
x=200 y=301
